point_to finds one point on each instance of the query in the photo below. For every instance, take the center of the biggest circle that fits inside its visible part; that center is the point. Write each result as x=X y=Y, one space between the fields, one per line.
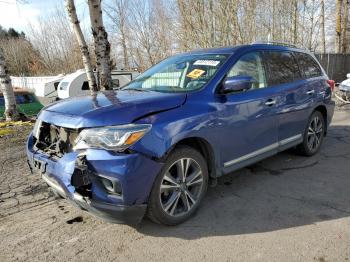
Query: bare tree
x=295 y=21
x=344 y=26
x=55 y=40
x=118 y=12
x=82 y=43
x=338 y=27
x=323 y=30
x=11 y=112
x=102 y=46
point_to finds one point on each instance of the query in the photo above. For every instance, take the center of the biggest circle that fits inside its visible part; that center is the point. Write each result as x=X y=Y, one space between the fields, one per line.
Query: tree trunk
x=312 y=18
x=102 y=46
x=273 y=20
x=295 y=21
x=345 y=25
x=11 y=112
x=323 y=30
x=338 y=27
x=82 y=44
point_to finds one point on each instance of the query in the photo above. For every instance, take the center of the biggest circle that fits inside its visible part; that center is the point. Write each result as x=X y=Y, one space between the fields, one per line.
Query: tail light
x=331 y=84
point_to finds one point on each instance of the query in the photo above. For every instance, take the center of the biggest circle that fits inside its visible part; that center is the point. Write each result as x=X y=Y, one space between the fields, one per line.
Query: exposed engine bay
x=54 y=140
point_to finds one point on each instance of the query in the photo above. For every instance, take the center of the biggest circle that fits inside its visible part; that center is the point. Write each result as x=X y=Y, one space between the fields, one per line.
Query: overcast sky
x=18 y=13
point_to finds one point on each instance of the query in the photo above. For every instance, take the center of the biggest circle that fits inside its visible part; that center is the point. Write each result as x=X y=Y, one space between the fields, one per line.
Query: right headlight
x=116 y=138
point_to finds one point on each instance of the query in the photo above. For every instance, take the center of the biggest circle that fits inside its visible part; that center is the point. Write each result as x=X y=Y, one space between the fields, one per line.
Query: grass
x=15 y=123
x=5 y=131
x=7 y=128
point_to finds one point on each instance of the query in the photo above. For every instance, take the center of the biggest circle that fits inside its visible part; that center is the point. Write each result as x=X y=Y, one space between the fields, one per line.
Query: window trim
x=260 y=53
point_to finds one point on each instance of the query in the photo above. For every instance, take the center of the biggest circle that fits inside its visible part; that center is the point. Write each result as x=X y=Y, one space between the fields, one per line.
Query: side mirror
x=237 y=83
x=348 y=75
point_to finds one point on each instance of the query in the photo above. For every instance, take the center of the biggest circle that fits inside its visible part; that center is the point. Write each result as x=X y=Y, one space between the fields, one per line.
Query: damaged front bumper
x=112 y=186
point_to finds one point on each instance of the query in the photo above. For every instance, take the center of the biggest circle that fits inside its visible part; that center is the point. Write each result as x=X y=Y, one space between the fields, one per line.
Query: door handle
x=270 y=102
x=310 y=92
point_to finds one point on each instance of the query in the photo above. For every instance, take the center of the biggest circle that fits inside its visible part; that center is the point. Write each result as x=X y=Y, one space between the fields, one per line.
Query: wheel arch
x=323 y=110
x=204 y=148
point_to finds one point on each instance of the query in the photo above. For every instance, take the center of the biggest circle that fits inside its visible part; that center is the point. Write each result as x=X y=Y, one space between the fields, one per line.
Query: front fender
x=170 y=128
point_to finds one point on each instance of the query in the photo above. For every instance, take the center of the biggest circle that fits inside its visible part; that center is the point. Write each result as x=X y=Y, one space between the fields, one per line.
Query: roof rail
x=278 y=43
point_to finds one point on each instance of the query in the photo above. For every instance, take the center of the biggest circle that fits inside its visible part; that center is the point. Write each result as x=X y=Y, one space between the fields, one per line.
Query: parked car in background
x=27 y=103
x=41 y=86
x=153 y=146
x=344 y=88
x=76 y=84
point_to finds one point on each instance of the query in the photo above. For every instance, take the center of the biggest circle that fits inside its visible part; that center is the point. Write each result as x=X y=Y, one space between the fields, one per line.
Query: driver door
x=250 y=119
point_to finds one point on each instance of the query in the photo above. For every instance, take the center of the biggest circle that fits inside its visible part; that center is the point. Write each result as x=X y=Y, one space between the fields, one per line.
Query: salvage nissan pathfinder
x=154 y=146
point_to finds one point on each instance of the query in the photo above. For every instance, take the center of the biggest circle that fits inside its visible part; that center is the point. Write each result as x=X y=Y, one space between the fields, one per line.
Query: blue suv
x=155 y=145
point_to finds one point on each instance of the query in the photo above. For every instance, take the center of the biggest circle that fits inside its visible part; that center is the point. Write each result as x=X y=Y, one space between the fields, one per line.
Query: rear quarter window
x=282 y=67
x=308 y=66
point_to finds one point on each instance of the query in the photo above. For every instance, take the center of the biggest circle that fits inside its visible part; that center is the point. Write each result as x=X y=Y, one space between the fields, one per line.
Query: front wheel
x=179 y=188
x=313 y=135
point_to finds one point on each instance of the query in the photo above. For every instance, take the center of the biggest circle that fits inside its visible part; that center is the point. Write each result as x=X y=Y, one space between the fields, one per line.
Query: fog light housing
x=111 y=185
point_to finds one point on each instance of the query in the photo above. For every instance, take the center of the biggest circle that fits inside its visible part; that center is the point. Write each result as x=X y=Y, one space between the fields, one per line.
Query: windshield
x=180 y=73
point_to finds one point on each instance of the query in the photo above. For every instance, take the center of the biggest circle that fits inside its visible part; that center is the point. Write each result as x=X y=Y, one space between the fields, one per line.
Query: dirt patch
x=254 y=214
x=19 y=190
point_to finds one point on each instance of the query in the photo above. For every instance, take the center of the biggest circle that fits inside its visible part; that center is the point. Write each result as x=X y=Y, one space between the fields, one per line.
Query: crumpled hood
x=109 y=108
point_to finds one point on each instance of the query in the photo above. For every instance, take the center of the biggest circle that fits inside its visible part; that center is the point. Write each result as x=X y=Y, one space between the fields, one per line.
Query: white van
x=76 y=84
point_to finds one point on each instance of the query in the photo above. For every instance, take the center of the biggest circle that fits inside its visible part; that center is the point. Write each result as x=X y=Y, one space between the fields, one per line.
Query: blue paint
x=233 y=125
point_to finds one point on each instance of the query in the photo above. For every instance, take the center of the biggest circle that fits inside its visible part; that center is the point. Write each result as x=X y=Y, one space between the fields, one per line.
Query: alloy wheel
x=315 y=133
x=181 y=187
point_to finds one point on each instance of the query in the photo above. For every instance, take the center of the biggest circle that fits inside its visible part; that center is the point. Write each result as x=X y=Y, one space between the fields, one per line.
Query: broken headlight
x=117 y=138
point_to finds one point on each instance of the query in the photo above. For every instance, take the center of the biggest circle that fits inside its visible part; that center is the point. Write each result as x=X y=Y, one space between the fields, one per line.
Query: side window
x=85 y=86
x=20 y=99
x=115 y=83
x=250 y=65
x=56 y=85
x=2 y=101
x=283 y=67
x=308 y=65
x=64 y=85
x=28 y=99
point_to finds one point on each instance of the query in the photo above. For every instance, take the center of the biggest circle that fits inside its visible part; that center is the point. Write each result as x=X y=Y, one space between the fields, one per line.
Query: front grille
x=54 y=140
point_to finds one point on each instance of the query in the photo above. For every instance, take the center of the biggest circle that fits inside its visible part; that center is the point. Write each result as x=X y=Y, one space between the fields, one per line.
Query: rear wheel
x=313 y=135
x=179 y=187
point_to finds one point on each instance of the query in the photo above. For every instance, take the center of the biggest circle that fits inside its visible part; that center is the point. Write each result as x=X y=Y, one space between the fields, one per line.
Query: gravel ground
x=285 y=208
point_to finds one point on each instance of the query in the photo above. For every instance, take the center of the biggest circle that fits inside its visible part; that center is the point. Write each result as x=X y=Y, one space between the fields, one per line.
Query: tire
x=313 y=135
x=175 y=199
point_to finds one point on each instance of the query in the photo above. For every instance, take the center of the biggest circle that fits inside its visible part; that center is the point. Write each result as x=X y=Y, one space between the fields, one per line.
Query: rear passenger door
x=294 y=99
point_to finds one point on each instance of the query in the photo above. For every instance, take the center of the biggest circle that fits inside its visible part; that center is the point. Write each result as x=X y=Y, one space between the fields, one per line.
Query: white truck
x=76 y=84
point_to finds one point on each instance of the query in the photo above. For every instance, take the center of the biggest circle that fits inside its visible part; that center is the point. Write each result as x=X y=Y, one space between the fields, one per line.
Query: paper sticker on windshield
x=195 y=73
x=207 y=62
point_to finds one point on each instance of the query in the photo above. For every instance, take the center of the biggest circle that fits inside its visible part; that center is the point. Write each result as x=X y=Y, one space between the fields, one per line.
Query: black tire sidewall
x=155 y=210
x=305 y=148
